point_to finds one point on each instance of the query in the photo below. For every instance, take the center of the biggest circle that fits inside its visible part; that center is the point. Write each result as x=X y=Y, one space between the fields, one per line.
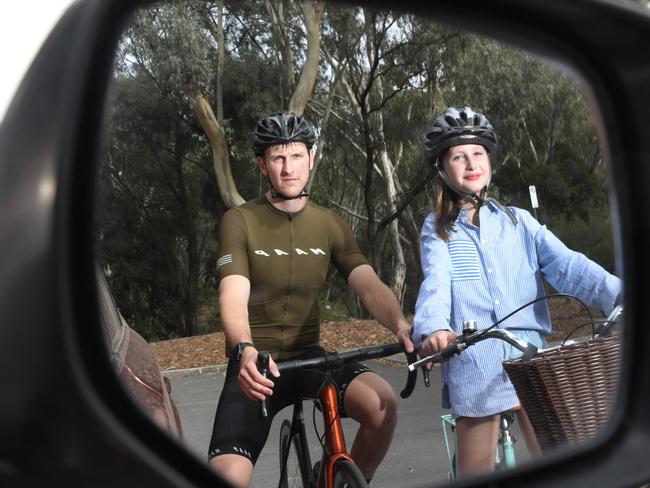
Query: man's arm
x=380 y=302
x=234 y=291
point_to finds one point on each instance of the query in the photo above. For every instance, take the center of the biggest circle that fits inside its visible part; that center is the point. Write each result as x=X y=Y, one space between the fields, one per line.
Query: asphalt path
x=417 y=456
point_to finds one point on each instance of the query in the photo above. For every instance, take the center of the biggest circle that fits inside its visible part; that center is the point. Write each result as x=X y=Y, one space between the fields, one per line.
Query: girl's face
x=468 y=167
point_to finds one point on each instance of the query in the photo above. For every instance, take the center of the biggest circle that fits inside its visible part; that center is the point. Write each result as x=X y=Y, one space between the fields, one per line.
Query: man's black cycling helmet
x=282 y=128
x=457 y=125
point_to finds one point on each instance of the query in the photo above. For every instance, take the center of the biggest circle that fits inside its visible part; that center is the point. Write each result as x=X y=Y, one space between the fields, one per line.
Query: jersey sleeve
x=346 y=254
x=233 y=249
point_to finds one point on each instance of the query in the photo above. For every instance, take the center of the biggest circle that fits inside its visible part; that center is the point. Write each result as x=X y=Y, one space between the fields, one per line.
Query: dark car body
x=65 y=417
x=135 y=364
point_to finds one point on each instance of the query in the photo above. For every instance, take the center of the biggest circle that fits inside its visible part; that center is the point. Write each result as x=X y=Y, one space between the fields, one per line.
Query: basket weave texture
x=568 y=391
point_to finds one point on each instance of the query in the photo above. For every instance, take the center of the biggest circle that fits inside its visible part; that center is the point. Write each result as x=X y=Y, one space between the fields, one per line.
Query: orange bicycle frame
x=334 y=448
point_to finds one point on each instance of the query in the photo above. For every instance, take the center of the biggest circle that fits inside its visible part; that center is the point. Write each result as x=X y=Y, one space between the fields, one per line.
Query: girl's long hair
x=447 y=209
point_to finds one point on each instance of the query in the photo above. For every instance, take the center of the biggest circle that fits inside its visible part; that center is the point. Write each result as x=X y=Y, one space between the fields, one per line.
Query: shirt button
x=496 y=302
x=489 y=270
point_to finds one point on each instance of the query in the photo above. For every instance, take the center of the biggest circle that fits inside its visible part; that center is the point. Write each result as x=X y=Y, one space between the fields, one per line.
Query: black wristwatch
x=239 y=349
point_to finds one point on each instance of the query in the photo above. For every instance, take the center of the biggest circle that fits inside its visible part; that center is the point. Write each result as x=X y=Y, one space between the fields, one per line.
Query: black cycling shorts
x=238 y=425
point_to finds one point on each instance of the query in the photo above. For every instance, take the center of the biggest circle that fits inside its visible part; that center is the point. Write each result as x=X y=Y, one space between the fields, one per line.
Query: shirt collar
x=462 y=216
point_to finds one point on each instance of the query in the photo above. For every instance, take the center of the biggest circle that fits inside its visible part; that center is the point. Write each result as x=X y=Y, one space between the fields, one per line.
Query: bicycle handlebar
x=610 y=321
x=471 y=336
x=466 y=340
x=332 y=360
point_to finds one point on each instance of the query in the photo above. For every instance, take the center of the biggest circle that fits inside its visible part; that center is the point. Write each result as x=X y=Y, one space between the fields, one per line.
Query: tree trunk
x=323 y=128
x=193 y=263
x=275 y=9
x=220 y=158
x=376 y=91
x=221 y=43
x=312 y=11
x=399 y=269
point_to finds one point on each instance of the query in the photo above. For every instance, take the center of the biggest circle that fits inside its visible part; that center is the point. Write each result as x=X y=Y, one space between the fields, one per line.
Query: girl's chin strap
x=476 y=198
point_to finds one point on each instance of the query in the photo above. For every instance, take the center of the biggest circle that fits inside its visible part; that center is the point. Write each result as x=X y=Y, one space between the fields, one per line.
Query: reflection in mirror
x=135 y=363
x=190 y=81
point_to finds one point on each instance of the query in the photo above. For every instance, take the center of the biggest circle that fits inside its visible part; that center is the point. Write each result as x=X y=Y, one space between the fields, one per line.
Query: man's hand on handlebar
x=404 y=337
x=254 y=385
x=436 y=342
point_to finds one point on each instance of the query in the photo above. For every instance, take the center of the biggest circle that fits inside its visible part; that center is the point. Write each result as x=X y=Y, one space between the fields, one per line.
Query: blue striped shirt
x=484 y=274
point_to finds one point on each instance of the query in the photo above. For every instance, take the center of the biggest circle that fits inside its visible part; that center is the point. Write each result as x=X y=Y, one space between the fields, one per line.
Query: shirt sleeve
x=433 y=306
x=233 y=245
x=572 y=272
x=346 y=254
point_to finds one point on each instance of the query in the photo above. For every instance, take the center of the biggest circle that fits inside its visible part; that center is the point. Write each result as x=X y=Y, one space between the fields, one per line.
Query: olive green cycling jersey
x=285 y=256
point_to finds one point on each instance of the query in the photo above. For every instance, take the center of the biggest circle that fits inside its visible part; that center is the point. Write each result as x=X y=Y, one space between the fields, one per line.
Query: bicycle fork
x=298 y=429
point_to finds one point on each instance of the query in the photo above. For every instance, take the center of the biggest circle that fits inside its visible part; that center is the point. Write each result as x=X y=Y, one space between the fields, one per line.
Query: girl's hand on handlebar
x=254 y=385
x=435 y=343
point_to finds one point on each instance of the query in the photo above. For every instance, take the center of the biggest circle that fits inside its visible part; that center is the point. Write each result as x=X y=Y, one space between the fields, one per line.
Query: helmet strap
x=478 y=199
x=279 y=196
x=475 y=198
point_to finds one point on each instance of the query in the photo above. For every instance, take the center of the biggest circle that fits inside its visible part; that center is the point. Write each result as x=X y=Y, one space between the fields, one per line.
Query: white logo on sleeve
x=225 y=259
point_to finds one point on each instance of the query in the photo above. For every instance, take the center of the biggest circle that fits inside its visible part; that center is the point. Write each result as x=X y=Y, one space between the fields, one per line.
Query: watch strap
x=239 y=349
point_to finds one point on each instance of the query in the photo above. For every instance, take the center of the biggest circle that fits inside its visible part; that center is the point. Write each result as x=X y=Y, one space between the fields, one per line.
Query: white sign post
x=533 y=199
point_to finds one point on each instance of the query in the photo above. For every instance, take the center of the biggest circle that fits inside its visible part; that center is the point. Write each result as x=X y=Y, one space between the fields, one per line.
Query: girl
x=482 y=260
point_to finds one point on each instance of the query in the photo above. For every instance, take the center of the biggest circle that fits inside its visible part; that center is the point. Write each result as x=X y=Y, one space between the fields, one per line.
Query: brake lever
x=454 y=348
x=426 y=377
x=411 y=378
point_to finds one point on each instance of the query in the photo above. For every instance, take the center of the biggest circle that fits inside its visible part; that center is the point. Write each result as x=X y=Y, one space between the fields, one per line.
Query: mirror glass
x=191 y=79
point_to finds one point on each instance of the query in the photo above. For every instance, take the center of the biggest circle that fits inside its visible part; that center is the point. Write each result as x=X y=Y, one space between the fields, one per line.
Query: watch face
x=239 y=349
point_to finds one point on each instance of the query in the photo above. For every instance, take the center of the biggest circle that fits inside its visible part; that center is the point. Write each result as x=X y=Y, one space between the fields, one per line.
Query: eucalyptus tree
x=287 y=37
x=155 y=163
x=370 y=81
x=379 y=114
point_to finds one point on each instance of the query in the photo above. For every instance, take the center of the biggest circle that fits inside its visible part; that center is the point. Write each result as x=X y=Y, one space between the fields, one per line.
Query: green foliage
x=591 y=235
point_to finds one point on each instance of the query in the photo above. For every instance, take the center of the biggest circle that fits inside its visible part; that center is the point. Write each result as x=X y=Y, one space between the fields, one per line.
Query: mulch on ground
x=209 y=349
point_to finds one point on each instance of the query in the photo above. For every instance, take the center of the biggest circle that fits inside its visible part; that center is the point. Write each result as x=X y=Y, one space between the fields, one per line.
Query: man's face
x=287 y=166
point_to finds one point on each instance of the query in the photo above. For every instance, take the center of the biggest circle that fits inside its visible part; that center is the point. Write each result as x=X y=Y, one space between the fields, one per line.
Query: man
x=274 y=252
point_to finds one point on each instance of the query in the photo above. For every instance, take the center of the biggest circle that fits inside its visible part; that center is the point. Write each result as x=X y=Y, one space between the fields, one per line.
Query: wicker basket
x=567 y=391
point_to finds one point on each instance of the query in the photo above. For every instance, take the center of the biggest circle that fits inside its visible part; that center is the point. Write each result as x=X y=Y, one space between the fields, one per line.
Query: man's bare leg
x=235 y=468
x=370 y=400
